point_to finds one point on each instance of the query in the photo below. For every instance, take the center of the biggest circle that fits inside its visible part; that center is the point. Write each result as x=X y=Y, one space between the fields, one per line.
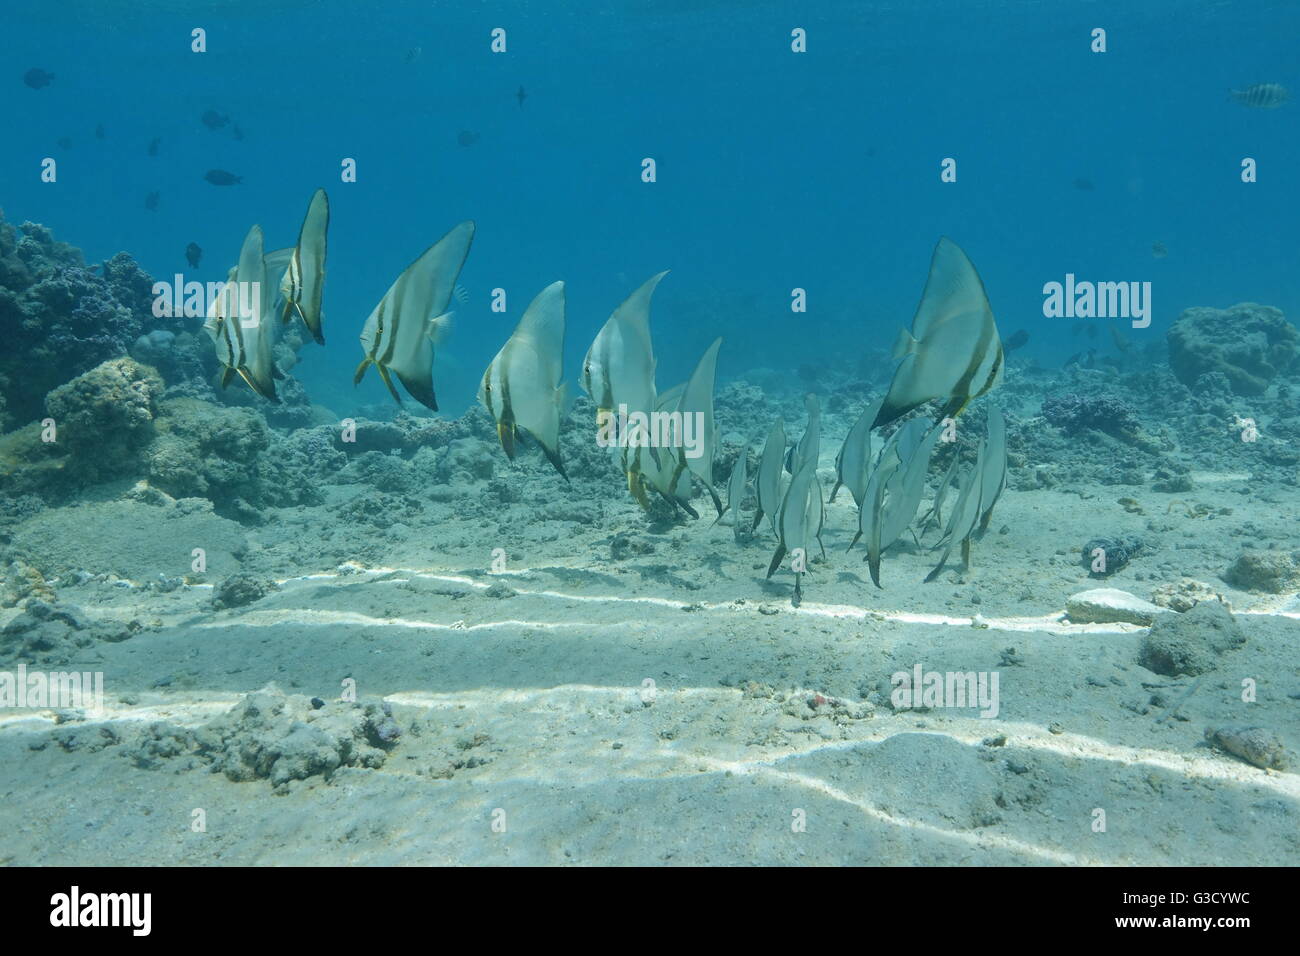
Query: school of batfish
x=951 y=355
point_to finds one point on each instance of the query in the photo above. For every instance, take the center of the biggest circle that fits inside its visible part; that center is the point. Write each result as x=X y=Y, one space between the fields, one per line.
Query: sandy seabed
x=664 y=704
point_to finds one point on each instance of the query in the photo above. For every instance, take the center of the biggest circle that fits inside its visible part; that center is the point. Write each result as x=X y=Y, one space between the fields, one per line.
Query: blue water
x=775 y=170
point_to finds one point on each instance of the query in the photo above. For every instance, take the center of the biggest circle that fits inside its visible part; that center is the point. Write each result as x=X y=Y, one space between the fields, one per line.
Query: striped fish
x=521 y=387
x=1262 y=96
x=768 y=483
x=244 y=342
x=953 y=351
x=304 y=279
x=400 y=334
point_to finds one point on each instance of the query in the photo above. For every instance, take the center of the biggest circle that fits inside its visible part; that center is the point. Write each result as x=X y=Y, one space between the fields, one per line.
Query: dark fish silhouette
x=1084 y=184
x=214 y=120
x=153 y=146
x=1092 y=331
x=413 y=54
x=521 y=96
x=237 y=133
x=1082 y=359
x=1078 y=327
x=1118 y=338
x=1158 y=250
x=37 y=78
x=193 y=255
x=65 y=142
x=219 y=177
x=151 y=201
x=1262 y=96
x=1016 y=341
x=466 y=138
x=99 y=131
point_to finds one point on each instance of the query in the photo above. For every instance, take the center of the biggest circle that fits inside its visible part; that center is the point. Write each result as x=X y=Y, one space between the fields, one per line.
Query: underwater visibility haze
x=688 y=433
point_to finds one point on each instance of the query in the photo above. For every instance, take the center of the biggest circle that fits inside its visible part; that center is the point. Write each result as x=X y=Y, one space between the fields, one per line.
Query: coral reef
x=1273 y=572
x=1074 y=413
x=1255 y=745
x=271 y=735
x=1249 y=344
x=60 y=318
x=1190 y=643
x=104 y=418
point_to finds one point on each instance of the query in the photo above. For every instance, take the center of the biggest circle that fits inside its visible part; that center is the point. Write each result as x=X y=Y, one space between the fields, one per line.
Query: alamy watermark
x=683 y=430
x=1098 y=300
x=195 y=300
x=945 y=689
x=61 y=690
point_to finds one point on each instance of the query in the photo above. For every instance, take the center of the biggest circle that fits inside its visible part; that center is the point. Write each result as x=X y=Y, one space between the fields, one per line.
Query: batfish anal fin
x=776 y=560
x=420 y=390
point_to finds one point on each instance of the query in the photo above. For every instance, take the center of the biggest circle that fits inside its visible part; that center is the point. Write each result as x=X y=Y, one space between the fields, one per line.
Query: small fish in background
x=151 y=201
x=1158 y=250
x=461 y=293
x=467 y=138
x=1092 y=331
x=413 y=54
x=236 y=132
x=1262 y=96
x=219 y=177
x=1082 y=359
x=65 y=142
x=1121 y=341
x=37 y=78
x=521 y=96
x=1085 y=185
x=193 y=255
x=1078 y=327
x=214 y=120
x=153 y=146
x=99 y=131
x=1016 y=341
